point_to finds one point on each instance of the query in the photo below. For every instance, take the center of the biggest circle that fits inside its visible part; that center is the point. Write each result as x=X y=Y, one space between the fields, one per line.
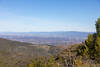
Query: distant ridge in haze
x=53 y=38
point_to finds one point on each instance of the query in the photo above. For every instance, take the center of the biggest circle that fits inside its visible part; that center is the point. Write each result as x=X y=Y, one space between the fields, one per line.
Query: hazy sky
x=48 y=15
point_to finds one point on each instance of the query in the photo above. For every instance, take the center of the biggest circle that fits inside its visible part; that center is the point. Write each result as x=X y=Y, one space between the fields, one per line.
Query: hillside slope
x=13 y=53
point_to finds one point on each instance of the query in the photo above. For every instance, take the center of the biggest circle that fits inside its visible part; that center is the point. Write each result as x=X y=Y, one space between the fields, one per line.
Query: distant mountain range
x=51 y=38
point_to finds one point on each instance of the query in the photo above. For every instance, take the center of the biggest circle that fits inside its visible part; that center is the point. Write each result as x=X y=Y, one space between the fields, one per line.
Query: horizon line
x=42 y=31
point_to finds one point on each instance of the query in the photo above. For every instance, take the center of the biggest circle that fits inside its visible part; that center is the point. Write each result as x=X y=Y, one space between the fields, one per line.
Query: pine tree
x=98 y=27
x=91 y=48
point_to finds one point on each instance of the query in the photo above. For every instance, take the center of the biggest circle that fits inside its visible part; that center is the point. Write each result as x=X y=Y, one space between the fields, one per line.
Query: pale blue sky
x=48 y=15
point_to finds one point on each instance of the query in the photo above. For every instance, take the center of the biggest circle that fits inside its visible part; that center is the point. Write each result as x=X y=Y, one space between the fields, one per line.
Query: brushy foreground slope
x=86 y=54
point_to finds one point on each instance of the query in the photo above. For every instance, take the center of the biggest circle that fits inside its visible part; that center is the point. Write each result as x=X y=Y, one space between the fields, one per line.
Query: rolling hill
x=13 y=53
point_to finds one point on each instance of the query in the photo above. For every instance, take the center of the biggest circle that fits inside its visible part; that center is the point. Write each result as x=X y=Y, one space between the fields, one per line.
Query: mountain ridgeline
x=51 y=38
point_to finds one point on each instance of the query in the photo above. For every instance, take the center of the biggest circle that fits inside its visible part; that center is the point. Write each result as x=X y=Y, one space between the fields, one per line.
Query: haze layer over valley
x=50 y=38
